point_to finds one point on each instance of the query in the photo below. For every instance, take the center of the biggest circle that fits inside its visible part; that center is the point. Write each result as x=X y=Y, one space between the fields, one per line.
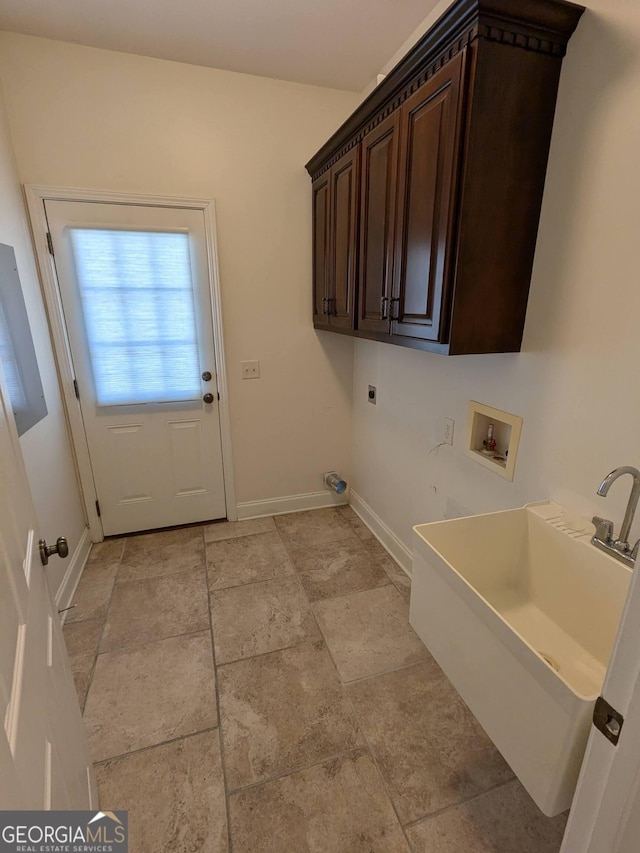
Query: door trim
x=35 y=196
x=72 y=576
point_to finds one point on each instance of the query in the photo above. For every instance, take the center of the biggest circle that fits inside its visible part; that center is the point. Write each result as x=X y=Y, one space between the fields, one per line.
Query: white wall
x=575 y=381
x=45 y=446
x=86 y=117
x=98 y=119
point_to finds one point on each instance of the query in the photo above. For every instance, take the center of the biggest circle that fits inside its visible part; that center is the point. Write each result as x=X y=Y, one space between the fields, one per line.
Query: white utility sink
x=521 y=612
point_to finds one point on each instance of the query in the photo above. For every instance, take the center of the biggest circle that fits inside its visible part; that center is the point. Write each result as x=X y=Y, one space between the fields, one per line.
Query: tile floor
x=256 y=686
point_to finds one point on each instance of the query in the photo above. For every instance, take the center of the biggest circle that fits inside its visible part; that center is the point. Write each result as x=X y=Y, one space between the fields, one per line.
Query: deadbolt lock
x=206 y=376
x=208 y=398
x=61 y=548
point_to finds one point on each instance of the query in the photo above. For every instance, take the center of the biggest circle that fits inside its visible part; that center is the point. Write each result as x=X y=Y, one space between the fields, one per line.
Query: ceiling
x=336 y=43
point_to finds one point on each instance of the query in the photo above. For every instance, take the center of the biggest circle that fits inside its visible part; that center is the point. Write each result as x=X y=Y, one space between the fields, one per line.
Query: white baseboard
x=387 y=538
x=291 y=503
x=71 y=578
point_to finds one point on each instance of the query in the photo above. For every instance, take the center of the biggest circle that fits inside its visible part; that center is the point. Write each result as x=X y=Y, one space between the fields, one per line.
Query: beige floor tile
x=399 y=578
x=346 y=512
x=505 y=820
x=107 y=552
x=260 y=617
x=154 y=608
x=337 y=806
x=174 y=794
x=162 y=553
x=337 y=568
x=376 y=547
x=369 y=632
x=361 y=530
x=82 y=667
x=405 y=592
x=254 y=557
x=314 y=527
x=146 y=695
x=83 y=637
x=92 y=596
x=234 y=529
x=282 y=711
x=429 y=747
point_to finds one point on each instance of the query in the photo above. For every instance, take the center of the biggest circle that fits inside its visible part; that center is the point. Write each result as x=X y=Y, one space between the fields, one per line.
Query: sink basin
x=521 y=612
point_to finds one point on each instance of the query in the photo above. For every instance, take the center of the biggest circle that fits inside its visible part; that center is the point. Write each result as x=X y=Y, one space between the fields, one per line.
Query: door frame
x=35 y=196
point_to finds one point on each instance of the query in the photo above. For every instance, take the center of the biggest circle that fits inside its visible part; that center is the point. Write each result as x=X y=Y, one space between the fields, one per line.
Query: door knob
x=208 y=398
x=61 y=548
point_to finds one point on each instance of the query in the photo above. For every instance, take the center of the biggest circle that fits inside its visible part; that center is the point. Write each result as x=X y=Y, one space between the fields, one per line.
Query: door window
x=137 y=299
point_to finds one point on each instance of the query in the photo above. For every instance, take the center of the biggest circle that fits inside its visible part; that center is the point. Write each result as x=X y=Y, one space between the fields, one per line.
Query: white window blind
x=138 y=306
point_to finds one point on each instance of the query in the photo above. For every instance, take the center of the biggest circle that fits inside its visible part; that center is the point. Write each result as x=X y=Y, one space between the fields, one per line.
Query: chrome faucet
x=603 y=538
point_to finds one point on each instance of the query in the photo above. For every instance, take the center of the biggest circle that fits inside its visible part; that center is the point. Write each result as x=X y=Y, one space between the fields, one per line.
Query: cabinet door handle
x=394 y=301
x=384 y=308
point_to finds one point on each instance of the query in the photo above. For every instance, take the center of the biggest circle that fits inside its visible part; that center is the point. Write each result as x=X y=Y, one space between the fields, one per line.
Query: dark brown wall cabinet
x=377 y=224
x=335 y=248
x=426 y=201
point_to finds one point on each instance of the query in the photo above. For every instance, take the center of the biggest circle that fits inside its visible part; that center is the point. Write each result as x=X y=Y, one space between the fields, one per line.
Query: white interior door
x=605 y=815
x=134 y=283
x=44 y=756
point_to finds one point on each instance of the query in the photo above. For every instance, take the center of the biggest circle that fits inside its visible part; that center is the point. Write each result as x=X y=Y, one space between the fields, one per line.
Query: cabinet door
x=321 y=248
x=377 y=224
x=344 y=235
x=428 y=154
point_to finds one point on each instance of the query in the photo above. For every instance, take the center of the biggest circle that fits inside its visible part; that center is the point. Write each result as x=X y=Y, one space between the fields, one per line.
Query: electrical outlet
x=250 y=369
x=447 y=430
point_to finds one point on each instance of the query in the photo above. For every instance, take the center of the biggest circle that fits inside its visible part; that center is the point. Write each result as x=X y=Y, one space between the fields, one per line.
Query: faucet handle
x=604 y=529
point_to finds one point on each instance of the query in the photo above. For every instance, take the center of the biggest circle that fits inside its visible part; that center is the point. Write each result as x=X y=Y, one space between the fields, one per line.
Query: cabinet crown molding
x=540 y=26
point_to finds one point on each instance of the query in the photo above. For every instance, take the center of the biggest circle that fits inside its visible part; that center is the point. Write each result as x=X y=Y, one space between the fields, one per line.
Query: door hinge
x=98 y=508
x=49 y=243
x=76 y=389
x=607 y=720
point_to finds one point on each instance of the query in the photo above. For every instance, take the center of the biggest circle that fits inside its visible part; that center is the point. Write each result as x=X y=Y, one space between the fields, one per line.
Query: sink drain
x=549 y=660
